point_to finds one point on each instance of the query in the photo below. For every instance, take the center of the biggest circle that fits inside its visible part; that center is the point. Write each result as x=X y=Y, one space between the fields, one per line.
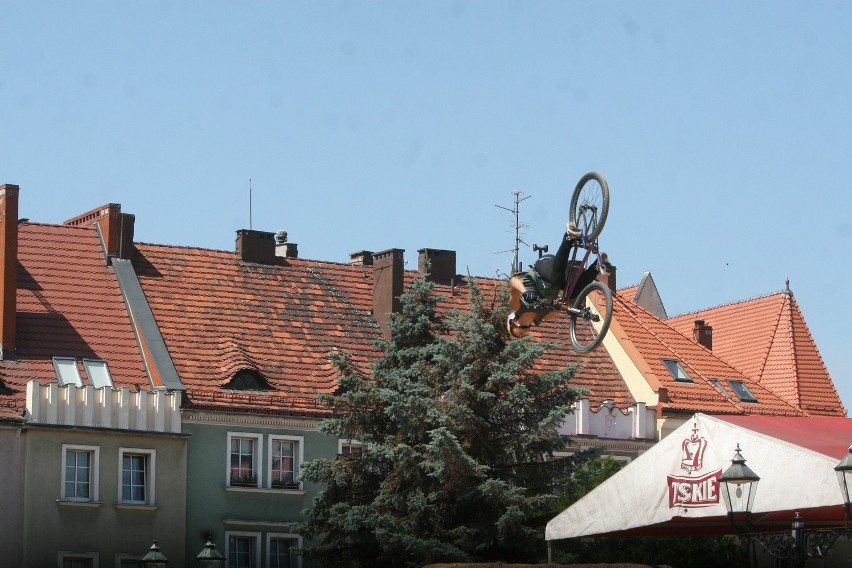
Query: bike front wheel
x=590 y=204
x=591 y=316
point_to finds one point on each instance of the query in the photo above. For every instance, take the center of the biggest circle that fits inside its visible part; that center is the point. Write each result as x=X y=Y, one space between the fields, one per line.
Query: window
x=742 y=391
x=282 y=550
x=676 y=370
x=67 y=372
x=98 y=373
x=351 y=448
x=246 y=380
x=285 y=458
x=75 y=560
x=80 y=472
x=718 y=384
x=136 y=472
x=244 y=459
x=243 y=549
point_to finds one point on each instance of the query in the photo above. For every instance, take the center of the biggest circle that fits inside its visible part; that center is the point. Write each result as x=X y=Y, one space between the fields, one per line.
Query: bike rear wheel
x=590 y=204
x=590 y=319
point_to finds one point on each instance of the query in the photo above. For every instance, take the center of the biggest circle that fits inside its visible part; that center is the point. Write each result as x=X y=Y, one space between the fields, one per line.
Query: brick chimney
x=388 y=280
x=115 y=228
x=703 y=334
x=8 y=268
x=256 y=246
x=438 y=265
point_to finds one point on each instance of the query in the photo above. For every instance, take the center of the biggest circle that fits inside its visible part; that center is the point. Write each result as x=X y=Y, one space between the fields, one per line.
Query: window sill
x=70 y=503
x=280 y=490
x=136 y=506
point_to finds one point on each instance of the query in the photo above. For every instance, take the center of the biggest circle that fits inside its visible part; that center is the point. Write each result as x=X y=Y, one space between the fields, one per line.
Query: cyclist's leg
x=560 y=264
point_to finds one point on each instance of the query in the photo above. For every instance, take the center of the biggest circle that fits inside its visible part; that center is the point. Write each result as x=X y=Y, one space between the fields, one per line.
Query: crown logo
x=693 y=451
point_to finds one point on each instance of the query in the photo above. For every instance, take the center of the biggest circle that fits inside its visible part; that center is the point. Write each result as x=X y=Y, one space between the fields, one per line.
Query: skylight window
x=742 y=391
x=98 y=373
x=719 y=387
x=67 y=372
x=677 y=371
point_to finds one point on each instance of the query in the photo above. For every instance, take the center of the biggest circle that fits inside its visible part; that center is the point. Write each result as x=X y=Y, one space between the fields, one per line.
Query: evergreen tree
x=458 y=433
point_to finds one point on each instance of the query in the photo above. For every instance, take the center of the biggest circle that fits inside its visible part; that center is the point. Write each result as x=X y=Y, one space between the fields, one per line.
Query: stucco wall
x=11 y=494
x=105 y=528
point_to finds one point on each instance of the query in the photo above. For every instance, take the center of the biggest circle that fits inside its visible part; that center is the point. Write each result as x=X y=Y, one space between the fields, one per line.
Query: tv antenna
x=249 y=203
x=516 y=212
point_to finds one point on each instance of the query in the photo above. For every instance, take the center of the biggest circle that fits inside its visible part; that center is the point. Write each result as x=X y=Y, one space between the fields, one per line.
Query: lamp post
x=738 y=485
x=209 y=557
x=154 y=558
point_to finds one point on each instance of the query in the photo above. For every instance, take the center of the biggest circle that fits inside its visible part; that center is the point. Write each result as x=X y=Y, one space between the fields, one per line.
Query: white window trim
x=300 y=454
x=258 y=465
x=69 y=363
x=92 y=366
x=297 y=538
x=150 y=474
x=347 y=442
x=61 y=555
x=255 y=535
x=95 y=472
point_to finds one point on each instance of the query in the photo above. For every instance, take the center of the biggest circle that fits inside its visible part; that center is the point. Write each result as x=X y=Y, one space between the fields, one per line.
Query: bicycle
x=590 y=310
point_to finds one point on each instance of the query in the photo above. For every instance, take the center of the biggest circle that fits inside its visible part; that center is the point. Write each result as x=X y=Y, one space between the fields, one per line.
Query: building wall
x=214 y=508
x=103 y=527
x=11 y=494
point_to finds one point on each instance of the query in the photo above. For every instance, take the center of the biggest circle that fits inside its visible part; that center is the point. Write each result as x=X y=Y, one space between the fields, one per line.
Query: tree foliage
x=458 y=431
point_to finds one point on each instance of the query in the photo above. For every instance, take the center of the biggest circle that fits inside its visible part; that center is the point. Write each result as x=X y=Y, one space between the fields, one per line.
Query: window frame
x=255 y=561
x=100 y=371
x=150 y=475
x=257 y=455
x=745 y=395
x=283 y=536
x=63 y=555
x=298 y=458
x=350 y=443
x=680 y=369
x=94 y=473
x=60 y=363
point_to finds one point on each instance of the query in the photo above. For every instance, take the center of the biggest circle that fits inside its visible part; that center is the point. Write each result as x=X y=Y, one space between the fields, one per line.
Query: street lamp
x=154 y=558
x=209 y=557
x=738 y=485
x=844 y=477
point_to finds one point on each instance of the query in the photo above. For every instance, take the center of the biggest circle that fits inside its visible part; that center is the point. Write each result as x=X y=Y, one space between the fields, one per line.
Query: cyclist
x=530 y=292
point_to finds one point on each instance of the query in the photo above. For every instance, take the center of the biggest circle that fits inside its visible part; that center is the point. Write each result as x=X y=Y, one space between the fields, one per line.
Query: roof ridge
x=734 y=303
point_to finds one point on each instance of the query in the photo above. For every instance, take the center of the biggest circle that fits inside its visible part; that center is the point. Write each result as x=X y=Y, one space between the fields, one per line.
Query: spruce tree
x=458 y=434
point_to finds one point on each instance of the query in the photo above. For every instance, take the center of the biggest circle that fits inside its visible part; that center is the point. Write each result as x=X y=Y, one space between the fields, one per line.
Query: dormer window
x=742 y=391
x=247 y=380
x=98 y=373
x=67 y=372
x=677 y=371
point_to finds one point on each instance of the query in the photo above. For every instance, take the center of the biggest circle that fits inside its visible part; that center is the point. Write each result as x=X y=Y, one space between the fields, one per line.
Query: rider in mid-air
x=530 y=292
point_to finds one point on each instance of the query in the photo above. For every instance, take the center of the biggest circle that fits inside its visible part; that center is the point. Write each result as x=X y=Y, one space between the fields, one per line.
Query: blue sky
x=724 y=129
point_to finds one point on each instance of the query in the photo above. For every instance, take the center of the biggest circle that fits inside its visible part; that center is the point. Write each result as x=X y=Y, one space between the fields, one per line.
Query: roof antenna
x=516 y=211
x=249 y=203
x=787 y=285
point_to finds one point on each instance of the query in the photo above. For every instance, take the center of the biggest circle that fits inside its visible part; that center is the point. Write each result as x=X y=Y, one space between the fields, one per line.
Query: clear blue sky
x=724 y=129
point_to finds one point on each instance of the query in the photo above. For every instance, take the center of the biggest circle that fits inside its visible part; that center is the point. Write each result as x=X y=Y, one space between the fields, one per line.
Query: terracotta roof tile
x=655 y=341
x=768 y=339
x=68 y=305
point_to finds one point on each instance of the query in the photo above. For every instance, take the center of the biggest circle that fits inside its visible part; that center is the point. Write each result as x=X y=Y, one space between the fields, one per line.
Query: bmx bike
x=589 y=306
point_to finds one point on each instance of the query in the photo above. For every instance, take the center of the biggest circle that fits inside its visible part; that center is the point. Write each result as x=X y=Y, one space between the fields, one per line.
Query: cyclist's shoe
x=572 y=231
x=529 y=300
x=514 y=330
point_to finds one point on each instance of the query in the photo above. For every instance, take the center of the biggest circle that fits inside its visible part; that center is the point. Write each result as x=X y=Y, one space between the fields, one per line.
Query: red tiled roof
x=650 y=340
x=768 y=339
x=218 y=315
x=68 y=305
